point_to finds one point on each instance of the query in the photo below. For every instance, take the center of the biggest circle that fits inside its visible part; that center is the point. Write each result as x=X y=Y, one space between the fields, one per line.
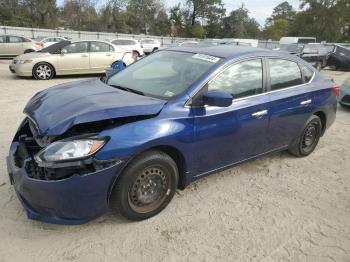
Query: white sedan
x=129 y=44
x=52 y=40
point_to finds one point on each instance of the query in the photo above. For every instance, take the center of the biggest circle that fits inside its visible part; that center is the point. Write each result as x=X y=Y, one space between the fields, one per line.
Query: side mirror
x=217 y=98
x=63 y=51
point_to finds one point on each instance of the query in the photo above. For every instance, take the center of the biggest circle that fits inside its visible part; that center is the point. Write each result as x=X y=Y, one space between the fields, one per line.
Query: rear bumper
x=74 y=200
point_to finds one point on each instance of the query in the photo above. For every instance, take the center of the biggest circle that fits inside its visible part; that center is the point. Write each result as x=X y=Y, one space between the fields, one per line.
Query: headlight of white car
x=70 y=150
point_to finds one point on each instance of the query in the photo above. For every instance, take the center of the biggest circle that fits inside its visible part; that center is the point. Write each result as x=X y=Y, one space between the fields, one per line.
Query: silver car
x=69 y=58
x=11 y=45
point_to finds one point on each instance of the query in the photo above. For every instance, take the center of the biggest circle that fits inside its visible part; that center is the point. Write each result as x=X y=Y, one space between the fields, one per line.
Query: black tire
x=318 y=66
x=307 y=141
x=146 y=186
x=154 y=49
x=43 y=71
x=28 y=51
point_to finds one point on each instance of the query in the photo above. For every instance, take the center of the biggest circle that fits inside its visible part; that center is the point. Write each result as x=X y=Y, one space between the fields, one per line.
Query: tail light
x=41 y=44
x=336 y=89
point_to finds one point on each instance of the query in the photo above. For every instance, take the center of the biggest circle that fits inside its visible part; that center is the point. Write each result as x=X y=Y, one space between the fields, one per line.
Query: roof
x=223 y=51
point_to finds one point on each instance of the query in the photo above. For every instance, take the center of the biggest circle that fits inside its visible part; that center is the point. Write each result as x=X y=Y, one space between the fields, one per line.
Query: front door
x=225 y=136
x=74 y=59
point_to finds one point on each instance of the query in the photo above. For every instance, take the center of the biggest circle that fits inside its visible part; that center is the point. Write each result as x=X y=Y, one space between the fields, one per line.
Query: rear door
x=3 y=46
x=291 y=101
x=74 y=58
x=101 y=56
x=15 y=45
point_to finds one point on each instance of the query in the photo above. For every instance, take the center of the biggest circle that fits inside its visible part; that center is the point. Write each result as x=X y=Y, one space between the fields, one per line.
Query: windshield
x=148 y=41
x=123 y=42
x=292 y=48
x=164 y=74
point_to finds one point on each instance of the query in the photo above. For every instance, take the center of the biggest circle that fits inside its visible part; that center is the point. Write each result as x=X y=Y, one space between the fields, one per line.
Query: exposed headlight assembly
x=67 y=151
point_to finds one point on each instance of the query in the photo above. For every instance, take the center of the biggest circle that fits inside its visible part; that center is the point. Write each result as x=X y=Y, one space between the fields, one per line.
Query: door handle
x=84 y=55
x=306 y=102
x=260 y=113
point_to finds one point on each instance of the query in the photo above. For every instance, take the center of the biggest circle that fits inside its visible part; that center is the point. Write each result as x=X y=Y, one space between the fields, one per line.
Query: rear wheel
x=319 y=65
x=43 y=71
x=146 y=186
x=308 y=139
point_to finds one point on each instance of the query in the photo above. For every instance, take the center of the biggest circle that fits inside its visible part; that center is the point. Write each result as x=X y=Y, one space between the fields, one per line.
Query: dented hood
x=58 y=108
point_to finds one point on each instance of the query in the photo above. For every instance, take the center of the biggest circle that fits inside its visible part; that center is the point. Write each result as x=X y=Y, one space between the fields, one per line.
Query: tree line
x=328 y=20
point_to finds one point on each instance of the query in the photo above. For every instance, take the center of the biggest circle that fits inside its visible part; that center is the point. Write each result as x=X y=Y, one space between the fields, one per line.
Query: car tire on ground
x=43 y=71
x=154 y=49
x=28 y=51
x=307 y=141
x=146 y=186
x=318 y=66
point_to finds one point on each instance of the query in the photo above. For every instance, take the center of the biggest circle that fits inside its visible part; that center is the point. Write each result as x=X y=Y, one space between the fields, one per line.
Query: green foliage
x=327 y=20
x=239 y=25
x=197 y=31
x=277 y=29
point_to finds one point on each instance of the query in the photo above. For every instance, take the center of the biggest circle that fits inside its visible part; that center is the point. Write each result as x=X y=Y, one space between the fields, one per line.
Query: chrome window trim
x=264 y=93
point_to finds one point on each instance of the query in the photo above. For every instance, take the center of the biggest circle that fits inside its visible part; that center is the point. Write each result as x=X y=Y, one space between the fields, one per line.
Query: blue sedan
x=171 y=118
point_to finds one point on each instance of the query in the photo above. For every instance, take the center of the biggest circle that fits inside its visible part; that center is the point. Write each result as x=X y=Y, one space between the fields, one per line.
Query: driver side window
x=241 y=80
x=79 y=47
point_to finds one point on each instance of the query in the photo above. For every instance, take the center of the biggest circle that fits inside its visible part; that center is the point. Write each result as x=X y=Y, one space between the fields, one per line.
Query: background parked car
x=11 y=45
x=339 y=58
x=344 y=96
x=129 y=44
x=69 y=58
x=150 y=45
x=52 y=40
x=314 y=54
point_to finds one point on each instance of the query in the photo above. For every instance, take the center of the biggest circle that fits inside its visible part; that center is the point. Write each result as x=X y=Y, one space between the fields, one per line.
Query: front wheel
x=146 y=186
x=307 y=141
x=43 y=71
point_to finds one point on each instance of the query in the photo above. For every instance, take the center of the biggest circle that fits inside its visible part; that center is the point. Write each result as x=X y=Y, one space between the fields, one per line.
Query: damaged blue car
x=178 y=115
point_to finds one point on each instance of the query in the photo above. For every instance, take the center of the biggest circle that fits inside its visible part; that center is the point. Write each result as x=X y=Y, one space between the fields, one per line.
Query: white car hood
x=31 y=55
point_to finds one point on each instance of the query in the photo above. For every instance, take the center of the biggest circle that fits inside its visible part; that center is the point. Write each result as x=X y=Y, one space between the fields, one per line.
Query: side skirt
x=194 y=178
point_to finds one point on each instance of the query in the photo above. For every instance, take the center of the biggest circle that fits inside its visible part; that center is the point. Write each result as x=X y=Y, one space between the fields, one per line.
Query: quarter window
x=284 y=73
x=240 y=80
x=2 y=39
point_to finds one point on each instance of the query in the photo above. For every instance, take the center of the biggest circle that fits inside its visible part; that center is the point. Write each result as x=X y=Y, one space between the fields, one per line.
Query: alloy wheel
x=43 y=72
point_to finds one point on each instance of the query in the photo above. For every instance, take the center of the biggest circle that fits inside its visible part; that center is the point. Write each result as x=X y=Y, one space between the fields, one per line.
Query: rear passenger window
x=307 y=73
x=240 y=80
x=284 y=73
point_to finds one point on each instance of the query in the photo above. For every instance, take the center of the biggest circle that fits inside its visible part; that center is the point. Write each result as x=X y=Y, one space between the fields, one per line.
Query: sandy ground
x=277 y=208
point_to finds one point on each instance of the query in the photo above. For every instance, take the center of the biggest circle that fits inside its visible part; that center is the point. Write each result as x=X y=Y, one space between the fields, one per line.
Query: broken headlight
x=70 y=150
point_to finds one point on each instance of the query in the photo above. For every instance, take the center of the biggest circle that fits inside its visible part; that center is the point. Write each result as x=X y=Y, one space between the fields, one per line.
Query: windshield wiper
x=129 y=89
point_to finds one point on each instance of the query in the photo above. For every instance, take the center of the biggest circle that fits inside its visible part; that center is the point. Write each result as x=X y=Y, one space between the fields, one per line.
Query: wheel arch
x=323 y=119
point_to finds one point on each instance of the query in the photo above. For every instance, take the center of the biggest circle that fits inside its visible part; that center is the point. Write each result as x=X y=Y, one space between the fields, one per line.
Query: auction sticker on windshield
x=208 y=58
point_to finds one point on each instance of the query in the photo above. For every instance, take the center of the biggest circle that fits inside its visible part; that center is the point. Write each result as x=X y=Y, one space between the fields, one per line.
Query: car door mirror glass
x=217 y=98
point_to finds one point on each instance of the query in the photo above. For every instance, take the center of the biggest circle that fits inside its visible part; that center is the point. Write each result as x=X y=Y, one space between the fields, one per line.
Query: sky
x=259 y=9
